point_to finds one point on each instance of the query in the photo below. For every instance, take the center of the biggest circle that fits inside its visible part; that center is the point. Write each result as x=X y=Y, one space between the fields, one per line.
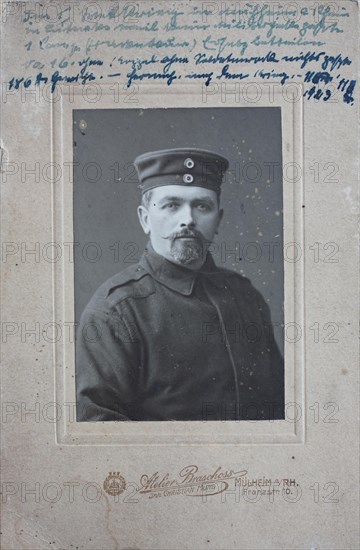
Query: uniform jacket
x=158 y=341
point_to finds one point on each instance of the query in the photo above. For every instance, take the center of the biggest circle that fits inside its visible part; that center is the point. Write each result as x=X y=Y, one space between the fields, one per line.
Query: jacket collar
x=174 y=276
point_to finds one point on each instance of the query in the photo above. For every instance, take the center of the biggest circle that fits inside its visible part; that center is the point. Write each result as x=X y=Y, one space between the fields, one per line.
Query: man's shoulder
x=232 y=277
x=132 y=282
x=236 y=281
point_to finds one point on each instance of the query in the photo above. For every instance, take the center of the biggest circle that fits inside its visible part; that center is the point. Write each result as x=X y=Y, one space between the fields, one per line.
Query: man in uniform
x=179 y=337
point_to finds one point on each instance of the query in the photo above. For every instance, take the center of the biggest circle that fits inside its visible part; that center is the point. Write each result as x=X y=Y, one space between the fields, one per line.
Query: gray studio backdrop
x=107 y=233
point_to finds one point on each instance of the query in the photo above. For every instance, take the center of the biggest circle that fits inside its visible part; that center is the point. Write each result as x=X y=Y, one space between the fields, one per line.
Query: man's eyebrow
x=174 y=198
x=170 y=199
x=207 y=200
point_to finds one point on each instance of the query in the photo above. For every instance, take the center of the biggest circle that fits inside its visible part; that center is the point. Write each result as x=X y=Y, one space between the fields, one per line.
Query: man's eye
x=203 y=207
x=171 y=205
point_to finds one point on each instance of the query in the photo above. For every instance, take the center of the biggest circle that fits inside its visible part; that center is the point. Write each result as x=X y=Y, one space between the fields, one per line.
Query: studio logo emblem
x=114 y=484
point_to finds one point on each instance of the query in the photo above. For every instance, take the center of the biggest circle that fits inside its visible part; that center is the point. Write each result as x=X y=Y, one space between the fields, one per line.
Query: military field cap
x=188 y=167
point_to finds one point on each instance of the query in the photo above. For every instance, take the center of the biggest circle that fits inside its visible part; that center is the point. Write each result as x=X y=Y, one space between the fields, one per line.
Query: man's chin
x=187 y=251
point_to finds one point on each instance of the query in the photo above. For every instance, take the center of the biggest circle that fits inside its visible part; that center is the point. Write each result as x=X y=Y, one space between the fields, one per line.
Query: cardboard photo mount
x=102 y=485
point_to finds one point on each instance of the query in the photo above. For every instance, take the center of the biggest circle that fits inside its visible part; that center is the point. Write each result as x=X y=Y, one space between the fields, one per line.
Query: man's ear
x=221 y=214
x=143 y=216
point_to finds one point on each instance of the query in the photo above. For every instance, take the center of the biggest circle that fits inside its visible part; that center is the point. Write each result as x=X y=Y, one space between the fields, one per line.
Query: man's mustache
x=186 y=233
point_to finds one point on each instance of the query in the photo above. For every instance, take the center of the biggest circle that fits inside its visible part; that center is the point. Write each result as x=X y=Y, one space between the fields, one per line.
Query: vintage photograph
x=179 y=243
x=178 y=262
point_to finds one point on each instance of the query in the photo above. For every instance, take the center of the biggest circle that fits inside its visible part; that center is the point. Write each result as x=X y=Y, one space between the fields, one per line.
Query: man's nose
x=187 y=218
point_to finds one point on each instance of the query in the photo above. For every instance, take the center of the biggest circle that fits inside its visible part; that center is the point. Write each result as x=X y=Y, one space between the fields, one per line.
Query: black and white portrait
x=179 y=280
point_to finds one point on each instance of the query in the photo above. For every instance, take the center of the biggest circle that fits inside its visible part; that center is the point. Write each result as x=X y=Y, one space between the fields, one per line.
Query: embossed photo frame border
x=288 y=431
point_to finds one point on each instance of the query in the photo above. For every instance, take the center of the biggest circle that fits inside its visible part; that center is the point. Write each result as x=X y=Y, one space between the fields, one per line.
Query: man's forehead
x=182 y=192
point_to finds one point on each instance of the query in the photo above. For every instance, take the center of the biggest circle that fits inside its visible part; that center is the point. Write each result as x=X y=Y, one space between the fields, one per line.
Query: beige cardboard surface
x=268 y=485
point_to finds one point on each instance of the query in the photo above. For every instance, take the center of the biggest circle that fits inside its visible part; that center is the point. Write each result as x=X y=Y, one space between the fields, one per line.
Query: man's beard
x=187 y=251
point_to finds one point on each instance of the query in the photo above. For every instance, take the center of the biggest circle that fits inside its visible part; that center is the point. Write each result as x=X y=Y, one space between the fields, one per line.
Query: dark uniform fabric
x=161 y=342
